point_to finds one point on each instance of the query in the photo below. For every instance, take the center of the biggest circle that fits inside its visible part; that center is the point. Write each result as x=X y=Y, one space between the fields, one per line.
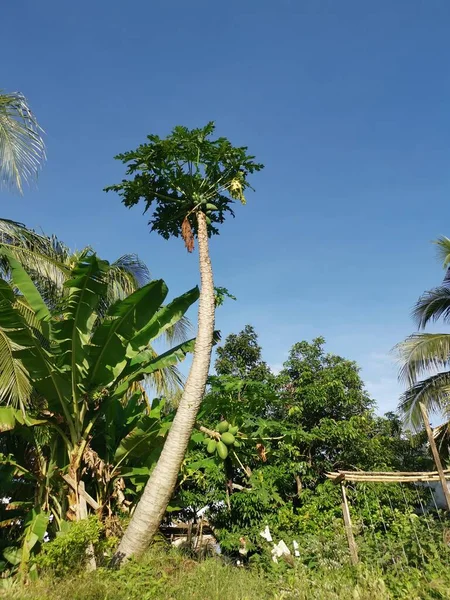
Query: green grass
x=170 y=576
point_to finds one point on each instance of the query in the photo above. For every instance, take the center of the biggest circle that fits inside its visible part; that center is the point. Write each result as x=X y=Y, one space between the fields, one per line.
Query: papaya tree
x=82 y=366
x=188 y=182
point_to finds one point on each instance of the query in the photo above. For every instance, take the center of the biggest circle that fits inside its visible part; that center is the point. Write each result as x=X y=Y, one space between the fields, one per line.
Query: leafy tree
x=425 y=356
x=22 y=149
x=190 y=182
x=240 y=356
x=82 y=367
x=315 y=385
x=315 y=416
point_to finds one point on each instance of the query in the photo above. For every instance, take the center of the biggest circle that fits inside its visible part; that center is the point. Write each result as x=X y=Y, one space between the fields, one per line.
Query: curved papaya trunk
x=159 y=489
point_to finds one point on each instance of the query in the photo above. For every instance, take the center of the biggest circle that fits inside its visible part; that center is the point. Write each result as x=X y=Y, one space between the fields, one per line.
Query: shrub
x=67 y=553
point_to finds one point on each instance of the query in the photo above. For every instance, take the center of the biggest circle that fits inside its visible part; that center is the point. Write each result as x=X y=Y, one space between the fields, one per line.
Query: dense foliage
x=314 y=416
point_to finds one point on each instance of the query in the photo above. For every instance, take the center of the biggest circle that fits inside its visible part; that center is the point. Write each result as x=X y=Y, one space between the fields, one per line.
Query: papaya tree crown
x=185 y=173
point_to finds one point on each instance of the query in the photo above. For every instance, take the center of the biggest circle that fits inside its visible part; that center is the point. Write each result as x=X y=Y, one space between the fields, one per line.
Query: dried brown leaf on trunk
x=96 y=465
x=187 y=235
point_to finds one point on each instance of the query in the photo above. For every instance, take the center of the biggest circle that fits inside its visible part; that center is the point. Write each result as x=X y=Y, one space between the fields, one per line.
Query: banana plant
x=49 y=261
x=125 y=446
x=17 y=557
x=83 y=364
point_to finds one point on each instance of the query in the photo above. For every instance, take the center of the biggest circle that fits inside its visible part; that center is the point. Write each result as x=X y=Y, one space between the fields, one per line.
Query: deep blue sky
x=347 y=104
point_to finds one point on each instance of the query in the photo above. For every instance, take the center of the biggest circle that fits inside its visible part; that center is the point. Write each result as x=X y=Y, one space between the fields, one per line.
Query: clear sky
x=346 y=102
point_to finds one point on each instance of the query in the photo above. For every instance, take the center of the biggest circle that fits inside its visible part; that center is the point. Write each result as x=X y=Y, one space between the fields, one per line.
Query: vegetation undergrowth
x=167 y=573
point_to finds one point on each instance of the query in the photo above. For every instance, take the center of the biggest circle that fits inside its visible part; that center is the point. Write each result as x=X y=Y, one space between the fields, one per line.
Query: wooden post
x=349 y=528
x=435 y=453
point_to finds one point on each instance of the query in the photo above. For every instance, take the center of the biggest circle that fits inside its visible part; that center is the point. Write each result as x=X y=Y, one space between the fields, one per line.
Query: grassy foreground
x=169 y=575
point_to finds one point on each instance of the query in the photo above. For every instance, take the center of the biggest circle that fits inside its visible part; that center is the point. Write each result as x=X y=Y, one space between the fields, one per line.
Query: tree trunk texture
x=159 y=489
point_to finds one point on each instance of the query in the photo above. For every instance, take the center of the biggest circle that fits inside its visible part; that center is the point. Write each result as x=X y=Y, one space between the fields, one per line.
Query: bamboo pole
x=375 y=479
x=392 y=473
x=333 y=474
x=349 y=528
x=394 y=477
x=435 y=453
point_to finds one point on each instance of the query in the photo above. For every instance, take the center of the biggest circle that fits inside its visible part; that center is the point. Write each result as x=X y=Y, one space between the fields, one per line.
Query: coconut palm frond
x=443 y=248
x=421 y=353
x=433 y=305
x=166 y=381
x=179 y=332
x=133 y=268
x=45 y=258
x=15 y=233
x=434 y=392
x=22 y=149
x=15 y=386
x=124 y=276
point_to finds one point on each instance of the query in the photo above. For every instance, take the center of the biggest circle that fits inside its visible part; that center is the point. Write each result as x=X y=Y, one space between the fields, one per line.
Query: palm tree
x=22 y=149
x=49 y=262
x=425 y=357
x=193 y=182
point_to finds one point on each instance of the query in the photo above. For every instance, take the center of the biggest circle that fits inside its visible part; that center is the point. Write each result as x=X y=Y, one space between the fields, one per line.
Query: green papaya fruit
x=222 y=426
x=212 y=445
x=233 y=429
x=227 y=438
x=222 y=450
x=237 y=444
x=211 y=207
